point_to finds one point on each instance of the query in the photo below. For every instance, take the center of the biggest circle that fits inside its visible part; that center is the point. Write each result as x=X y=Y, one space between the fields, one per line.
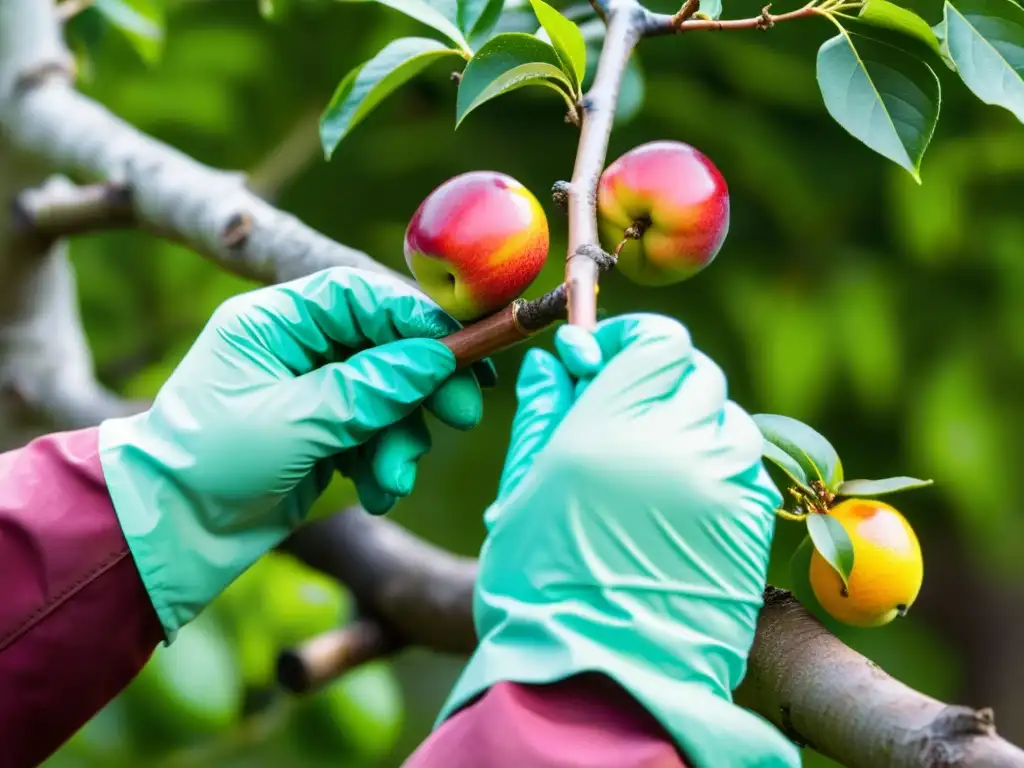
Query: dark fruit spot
x=901 y=610
x=451 y=279
x=843 y=591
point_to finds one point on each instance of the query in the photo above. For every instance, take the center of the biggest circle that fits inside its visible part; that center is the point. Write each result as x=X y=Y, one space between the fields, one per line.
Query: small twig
x=560 y=196
x=659 y=24
x=518 y=321
x=60 y=210
x=689 y=8
x=325 y=657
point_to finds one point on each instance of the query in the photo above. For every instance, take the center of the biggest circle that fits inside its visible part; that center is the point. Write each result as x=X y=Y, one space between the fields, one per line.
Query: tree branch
x=626 y=21
x=64 y=210
x=46 y=369
x=660 y=24
x=801 y=677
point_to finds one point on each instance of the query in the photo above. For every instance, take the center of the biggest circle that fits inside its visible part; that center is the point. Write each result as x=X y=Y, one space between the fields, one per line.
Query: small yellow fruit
x=887 y=566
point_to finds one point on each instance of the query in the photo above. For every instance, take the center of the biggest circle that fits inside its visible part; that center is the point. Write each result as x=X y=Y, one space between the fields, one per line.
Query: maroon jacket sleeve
x=76 y=624
x=586 y=721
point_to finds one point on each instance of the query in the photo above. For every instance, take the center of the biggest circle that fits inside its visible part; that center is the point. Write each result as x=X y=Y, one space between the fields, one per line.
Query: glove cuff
x=710 y=730
x=183 y=563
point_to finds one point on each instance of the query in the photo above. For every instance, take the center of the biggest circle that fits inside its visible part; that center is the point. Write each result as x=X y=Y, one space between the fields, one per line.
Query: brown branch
x=518 y=321
x=801 y=677
x=659 y=24
x=323 y=658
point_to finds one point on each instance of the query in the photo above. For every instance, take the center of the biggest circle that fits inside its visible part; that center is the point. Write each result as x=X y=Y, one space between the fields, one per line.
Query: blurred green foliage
x=890 y=316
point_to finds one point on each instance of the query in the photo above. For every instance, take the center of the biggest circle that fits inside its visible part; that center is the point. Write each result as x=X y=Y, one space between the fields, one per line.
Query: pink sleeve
x=586 y=721
x=76 y=624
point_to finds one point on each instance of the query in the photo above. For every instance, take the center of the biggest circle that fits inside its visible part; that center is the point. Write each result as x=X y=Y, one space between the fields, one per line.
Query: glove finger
x=458 y=402
x=746 y=441
x=544 y=393
x=579 y=351
x=394 y=452
x=295 y=327
x=702 y=394
x=354 y=465
x=342 y=405
x=644 y=360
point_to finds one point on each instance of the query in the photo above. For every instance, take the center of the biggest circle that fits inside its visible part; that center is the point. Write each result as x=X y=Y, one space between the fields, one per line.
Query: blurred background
x=889 y=316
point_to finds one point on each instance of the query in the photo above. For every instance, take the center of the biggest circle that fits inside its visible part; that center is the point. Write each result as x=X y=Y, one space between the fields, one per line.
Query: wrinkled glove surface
x=284 y=385
x=631 y=536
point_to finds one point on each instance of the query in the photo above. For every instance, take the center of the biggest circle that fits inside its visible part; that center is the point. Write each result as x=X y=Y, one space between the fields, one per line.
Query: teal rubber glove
x=631 y=537
x=283 y=386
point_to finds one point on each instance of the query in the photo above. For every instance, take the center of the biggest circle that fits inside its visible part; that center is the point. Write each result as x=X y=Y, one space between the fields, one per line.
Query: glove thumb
x=544 y=392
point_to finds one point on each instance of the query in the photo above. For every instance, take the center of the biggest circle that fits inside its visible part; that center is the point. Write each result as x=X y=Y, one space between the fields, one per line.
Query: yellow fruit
x=887 y=566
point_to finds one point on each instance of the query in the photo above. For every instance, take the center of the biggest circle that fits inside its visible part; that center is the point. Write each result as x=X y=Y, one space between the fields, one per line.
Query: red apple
x=677 y=198
x=476 y=243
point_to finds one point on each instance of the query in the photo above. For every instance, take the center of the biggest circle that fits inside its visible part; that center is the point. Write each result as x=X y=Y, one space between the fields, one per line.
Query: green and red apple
x=675 y=199
x=476 y=243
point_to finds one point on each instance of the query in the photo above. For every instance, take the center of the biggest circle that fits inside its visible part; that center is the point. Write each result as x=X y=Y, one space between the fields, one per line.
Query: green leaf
x=985 y=38
x=140 y=21
x=478 y=16
x=368 y=84
x=429 y=14
x=567 y=40
x=833 y=543
x=889 y=16
x=883 y=97
x=880 y=487
x=810 y=450
x=505 y=63
x=800 y=574
x=785 y=462
x=712 y=9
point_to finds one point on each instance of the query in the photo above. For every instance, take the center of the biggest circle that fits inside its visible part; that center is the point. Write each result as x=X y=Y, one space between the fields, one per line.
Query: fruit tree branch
x=801 y=677
x=660 y=24
x=626 y=21
x=55 y=211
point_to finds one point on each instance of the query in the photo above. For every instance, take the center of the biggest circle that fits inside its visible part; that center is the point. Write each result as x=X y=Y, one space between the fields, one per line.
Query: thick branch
x=46 y=369
x=172 y=194
x=626 y=20
x=800 y=677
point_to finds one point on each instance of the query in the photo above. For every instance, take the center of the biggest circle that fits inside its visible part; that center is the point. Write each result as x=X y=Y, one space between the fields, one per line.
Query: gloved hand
x=283 y=386
x=630 y=537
